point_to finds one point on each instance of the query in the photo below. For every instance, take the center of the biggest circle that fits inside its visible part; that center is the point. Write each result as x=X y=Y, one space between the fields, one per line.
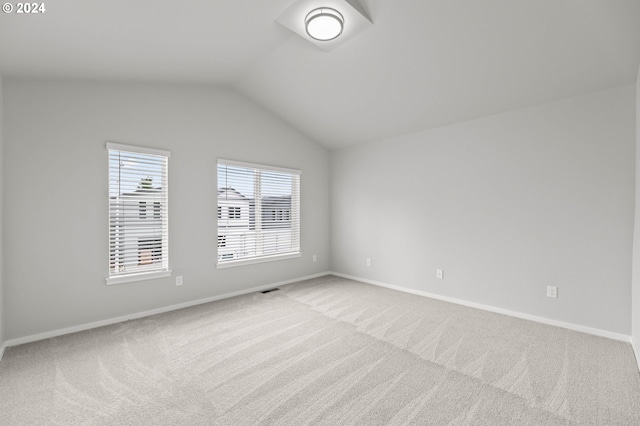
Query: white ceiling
x=422 y=64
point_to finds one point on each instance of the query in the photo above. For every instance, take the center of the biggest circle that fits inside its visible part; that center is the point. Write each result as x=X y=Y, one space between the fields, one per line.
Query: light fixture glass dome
x=324 y=23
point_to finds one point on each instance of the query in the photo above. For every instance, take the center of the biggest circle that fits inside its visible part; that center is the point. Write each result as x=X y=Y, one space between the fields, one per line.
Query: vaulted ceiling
x=422 y=64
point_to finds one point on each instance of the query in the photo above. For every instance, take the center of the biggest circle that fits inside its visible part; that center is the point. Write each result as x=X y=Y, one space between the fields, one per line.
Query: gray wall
x=56 y=198
x=635 y=300
x=506 y=205
x=2 y=321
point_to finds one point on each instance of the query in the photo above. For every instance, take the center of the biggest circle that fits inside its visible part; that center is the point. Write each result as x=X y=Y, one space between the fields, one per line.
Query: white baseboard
x=110 y=321
x=570 y=326
x=635 y=352
x=3 y=346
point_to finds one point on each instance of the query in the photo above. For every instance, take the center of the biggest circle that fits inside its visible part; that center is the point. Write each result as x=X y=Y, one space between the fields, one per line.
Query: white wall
x=635 y=300
x=56 y=198
x=506 y=205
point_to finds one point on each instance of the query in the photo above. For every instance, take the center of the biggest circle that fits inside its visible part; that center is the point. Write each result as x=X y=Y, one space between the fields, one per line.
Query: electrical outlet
x=315 y=258
x=368 y=261
x=179 y=280
x=552 y=291
x=440 y=274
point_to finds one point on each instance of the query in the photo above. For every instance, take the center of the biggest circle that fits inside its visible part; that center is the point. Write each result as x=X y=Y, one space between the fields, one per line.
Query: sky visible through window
x=133 y=169
x=227 y=178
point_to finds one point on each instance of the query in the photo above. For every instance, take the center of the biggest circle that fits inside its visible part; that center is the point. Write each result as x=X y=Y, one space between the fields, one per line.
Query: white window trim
x=259 y=166
x=138 y=149
x=151 y=275
x=242 y=262
x=138 y=277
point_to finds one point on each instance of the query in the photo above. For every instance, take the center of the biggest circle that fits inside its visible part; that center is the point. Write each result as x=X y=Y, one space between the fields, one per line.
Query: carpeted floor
x=327 y=351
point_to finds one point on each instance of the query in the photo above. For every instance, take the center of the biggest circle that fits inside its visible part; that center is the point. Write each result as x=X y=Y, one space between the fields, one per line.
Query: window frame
x=296 y=189
x=164 y=269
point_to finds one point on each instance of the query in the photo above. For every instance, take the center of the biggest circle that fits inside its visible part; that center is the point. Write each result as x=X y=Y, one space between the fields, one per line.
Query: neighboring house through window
x=149 y=251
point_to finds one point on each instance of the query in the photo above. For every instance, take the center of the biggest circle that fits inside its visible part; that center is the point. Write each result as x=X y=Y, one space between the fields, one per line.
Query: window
x=263 y=213
x=138 y=242
x=234 y=212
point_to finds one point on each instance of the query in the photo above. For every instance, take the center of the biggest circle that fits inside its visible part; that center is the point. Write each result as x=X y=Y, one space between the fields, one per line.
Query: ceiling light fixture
x=324 y=24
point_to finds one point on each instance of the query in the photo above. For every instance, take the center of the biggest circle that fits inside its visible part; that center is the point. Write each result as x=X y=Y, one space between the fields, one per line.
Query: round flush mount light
x=324 y=23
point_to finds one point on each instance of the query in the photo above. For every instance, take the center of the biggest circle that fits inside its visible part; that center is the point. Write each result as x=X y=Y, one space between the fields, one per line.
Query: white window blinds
x=258 y=213
x=138 y=212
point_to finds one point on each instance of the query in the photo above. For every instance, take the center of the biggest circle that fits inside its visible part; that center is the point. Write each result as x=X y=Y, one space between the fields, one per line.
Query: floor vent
x=270 y=290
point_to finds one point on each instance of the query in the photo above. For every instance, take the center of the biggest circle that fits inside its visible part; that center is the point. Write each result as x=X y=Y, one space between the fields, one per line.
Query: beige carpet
x=327 y=351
